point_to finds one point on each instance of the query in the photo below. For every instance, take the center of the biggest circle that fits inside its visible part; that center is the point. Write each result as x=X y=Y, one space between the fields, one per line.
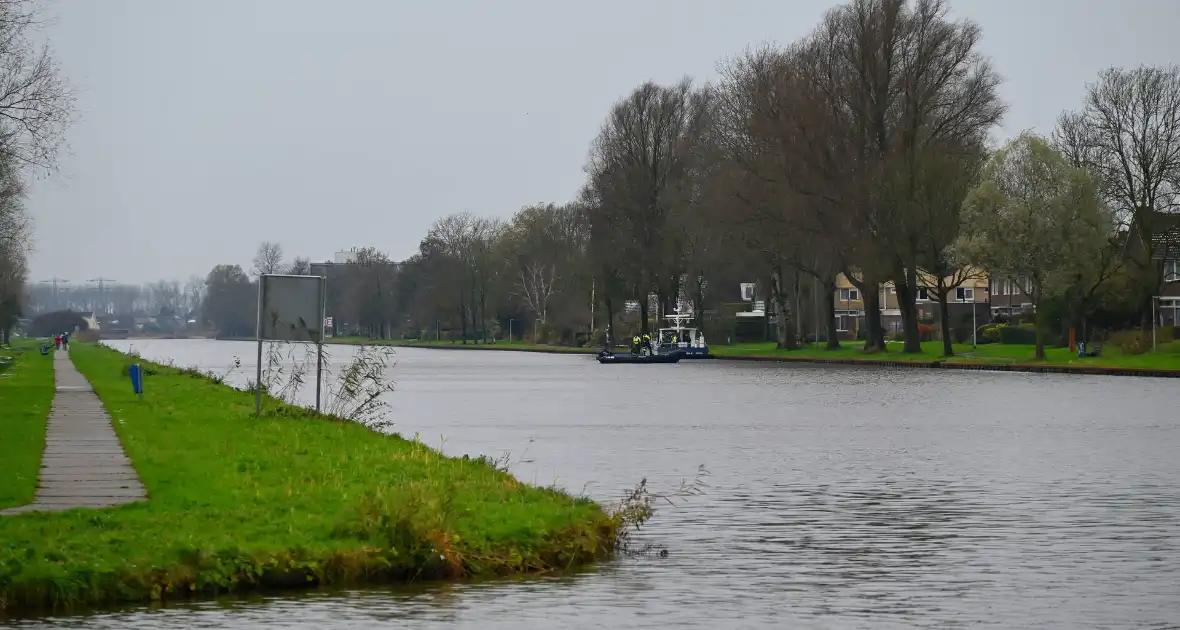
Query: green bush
x=1138 y=341
x=989 y=333
x=1018 y=334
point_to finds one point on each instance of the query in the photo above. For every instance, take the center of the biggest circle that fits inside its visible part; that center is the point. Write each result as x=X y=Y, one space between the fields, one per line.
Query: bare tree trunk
x=462 y=320
x=870 y=290
x=829 y=311
x=784 y=336
x=1040 y=328
x=905 y=284
x=874 y=332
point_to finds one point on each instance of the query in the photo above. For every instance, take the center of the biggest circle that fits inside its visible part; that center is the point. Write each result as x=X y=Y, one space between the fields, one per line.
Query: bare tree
x=36 y=104
x=269 y=258
x=641 y=169
x=15 y=231
x=13 y=275
x=301 y=266
x=194 y=292
x=537 y=283
x=1128 y=132
x=941 y=182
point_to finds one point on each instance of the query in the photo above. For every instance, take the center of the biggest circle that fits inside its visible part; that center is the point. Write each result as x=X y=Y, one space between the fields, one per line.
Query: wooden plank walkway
x=83 y=465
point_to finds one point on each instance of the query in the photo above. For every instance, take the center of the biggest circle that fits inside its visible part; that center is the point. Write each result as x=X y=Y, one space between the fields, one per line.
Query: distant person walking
x=65 y=341
x=57 y=342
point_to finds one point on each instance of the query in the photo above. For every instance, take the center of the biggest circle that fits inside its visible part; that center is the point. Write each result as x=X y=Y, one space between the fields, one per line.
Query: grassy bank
x=1167 y=358
x=26 y=391
x=286 y=500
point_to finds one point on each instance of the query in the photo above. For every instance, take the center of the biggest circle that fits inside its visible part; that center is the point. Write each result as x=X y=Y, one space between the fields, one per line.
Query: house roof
x=1165 y=234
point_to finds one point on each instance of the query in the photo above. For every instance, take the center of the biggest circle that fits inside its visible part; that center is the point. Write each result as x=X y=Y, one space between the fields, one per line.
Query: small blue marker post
x=137 y=379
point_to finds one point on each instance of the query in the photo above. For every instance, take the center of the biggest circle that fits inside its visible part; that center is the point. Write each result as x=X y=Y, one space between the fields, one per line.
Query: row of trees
x=861 y=149
x=35 y=108
x=110 y=298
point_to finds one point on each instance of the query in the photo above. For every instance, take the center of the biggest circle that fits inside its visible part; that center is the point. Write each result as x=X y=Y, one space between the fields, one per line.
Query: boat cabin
x=678 y=337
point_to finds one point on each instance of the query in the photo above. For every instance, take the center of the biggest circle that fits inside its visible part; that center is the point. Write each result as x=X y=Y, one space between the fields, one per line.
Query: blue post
x=137 y=379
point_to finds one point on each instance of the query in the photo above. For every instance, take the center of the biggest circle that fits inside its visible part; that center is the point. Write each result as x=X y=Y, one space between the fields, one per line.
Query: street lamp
x=1154 y=320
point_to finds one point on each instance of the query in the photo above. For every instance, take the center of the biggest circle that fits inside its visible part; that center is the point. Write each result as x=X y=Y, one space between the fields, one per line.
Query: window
x=846 y=320
x=923 y=294
x=849 y=295
x=965 y=294
x=1172 y=270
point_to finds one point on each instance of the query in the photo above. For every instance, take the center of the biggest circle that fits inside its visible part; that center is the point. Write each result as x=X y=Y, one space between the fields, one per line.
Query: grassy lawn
x=290 y=499
x=1167 y=358
x=26 y=391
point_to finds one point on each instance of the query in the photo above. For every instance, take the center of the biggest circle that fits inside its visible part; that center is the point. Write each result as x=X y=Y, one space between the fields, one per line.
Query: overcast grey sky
x=208 y=126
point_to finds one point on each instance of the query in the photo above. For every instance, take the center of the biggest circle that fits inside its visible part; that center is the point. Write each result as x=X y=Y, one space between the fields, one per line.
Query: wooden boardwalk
x=83 y=465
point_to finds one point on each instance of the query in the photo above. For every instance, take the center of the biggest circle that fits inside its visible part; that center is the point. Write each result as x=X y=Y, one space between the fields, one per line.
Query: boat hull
x=689 y=353
x=640 y=359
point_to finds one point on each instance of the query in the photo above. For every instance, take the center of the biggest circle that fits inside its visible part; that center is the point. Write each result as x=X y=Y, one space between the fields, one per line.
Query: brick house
x=971 y=293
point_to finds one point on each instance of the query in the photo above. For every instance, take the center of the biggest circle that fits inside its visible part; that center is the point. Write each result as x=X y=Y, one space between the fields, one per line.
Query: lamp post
x=1154 y=302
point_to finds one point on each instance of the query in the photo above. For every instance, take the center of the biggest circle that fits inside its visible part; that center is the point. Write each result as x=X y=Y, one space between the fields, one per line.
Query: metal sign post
x=258 y=337
x=291 y=308
x=319 y=370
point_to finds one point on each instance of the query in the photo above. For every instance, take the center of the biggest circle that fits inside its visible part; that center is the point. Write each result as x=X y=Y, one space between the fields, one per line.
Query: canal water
x=838 y=497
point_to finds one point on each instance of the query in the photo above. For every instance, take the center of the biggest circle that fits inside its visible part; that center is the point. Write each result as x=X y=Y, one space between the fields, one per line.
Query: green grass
x=288 y=499
x=26 y=391
x=1166 y=358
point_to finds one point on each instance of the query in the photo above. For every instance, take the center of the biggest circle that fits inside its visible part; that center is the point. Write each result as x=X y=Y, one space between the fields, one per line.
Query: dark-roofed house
x=1165 y=240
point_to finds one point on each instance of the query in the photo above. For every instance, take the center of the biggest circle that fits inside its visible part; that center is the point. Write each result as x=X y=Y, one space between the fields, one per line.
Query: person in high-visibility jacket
x=635 y=344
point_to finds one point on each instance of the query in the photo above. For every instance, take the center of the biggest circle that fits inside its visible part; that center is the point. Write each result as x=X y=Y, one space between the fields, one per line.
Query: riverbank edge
x=960 y=364
x=244 y=570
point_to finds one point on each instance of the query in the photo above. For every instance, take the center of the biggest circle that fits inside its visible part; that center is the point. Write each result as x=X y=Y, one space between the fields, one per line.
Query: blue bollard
x=137 y=379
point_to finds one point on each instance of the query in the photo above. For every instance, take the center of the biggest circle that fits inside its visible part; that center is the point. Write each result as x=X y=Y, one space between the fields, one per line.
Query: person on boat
x=635 y=344
x=647 y=343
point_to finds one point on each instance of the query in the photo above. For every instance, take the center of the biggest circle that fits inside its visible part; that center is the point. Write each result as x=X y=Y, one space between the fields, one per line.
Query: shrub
x=989 y=333
x=1138 y=341
x=1021 y=334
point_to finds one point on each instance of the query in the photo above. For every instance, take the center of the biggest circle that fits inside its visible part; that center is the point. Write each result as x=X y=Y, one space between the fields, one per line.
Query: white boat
x=677 y=337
